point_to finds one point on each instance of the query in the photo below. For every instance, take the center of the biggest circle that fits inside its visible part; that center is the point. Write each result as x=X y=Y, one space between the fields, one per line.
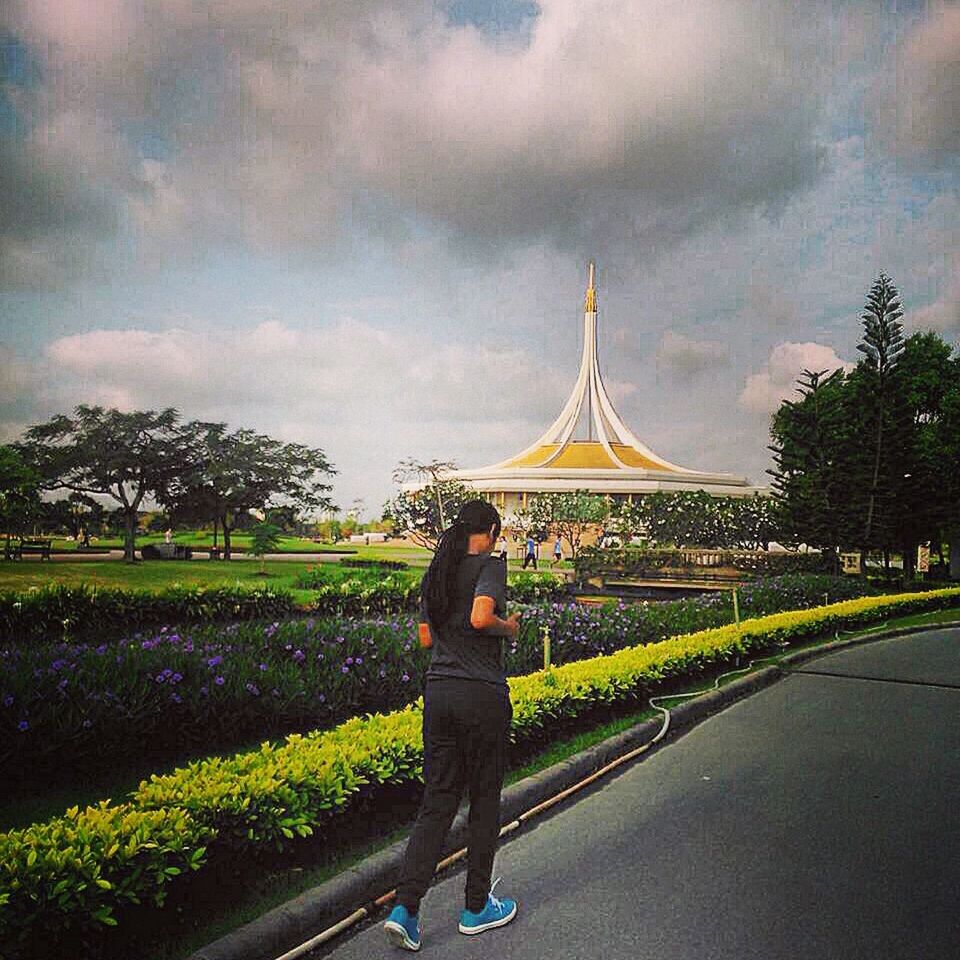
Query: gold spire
x=590 y=304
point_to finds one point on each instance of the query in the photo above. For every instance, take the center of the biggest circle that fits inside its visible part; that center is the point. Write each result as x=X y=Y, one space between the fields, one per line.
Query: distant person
x=531 y=553
x=502 y=547
x=466 y=720
x=557 y=552
x=167 y=536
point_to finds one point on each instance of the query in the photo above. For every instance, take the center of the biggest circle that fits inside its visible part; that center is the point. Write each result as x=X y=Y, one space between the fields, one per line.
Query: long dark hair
x=439 y=582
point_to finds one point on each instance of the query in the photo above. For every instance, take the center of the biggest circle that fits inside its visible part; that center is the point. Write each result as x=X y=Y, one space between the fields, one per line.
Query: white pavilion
x=610 y=460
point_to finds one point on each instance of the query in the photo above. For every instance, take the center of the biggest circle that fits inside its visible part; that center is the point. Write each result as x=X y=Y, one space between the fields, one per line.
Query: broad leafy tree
x=567 y=515
x=125 y=456
x=425 y=510
x=230 y=474
x=19 y=493
x=809 y=447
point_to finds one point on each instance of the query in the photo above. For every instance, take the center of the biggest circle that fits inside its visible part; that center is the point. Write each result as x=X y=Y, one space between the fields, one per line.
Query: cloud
x=917 y=104
x=367 y=396
x=292 y=127
x=684 y=358
x=764 y=391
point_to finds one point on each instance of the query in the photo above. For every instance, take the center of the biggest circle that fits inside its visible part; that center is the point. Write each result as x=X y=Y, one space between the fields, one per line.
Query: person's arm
x=483 y=617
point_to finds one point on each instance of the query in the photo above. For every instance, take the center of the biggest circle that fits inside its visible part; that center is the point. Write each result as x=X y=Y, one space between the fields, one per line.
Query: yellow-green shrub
x=71 y=873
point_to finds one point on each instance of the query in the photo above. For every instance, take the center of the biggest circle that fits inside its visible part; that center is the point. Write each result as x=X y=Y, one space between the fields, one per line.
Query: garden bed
x=67 y=878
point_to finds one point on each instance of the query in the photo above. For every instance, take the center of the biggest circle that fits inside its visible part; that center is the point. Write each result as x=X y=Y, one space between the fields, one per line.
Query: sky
x=364 y=225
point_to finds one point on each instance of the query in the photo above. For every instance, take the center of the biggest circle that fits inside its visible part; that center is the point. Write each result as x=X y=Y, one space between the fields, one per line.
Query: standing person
x=502 y=547
x=466 y=718
x=557 y=552
x=531 y=555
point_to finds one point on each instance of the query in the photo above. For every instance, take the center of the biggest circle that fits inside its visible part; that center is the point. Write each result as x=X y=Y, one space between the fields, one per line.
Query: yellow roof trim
x=585 y=455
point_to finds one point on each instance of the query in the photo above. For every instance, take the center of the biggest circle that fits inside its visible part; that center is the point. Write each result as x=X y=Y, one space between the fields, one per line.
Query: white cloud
x=764 y=391
x=367 y=396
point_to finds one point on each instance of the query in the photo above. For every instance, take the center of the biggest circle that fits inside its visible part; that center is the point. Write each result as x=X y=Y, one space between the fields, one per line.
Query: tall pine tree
x=881 y=410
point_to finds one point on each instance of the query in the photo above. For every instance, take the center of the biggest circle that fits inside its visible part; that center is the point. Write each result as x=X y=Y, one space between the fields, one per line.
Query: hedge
x=277 y=793
x=60 y=610
x=637 y=562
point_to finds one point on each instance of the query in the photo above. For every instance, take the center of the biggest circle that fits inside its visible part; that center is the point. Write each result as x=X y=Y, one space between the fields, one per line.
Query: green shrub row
x=277 y=793
x=637 y=562
x=374 y=564
x=60 y=610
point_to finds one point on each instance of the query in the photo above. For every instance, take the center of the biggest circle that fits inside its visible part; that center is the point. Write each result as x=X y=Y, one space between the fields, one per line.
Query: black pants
x=465 y=724
x=530 y=558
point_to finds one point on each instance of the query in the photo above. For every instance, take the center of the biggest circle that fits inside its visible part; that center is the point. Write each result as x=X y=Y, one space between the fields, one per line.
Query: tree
x=568 y=515
x=265 y=538
x=882 y=345
x=230 y=474
x=424 y=513
x=809 y=443
x=437 y=472
x=927 y=501
x=19 y=493
x=125 y=456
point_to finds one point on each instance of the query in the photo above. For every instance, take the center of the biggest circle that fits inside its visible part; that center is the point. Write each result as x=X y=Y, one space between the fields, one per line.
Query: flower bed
x=277 y=793
x=65 y=707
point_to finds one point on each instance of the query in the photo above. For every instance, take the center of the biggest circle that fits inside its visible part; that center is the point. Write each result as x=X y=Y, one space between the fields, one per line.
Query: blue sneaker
x=403 y=928
x=496 y=913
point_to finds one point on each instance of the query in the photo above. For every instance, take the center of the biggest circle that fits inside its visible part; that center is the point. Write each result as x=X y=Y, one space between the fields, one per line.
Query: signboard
x=850 y=562
x=923 y=558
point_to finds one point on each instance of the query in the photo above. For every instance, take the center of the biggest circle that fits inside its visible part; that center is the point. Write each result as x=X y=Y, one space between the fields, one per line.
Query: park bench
x=23 y=546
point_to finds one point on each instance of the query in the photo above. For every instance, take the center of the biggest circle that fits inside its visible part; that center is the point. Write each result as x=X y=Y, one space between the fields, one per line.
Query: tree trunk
x=226 y=537
x=876 y=479
x=129 y=535
x=909 y=562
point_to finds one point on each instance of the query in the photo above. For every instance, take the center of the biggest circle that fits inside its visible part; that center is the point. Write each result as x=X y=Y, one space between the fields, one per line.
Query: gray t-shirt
x=458 y=649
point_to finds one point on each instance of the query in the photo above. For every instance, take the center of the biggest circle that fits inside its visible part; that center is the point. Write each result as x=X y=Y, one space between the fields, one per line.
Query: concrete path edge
x=294 y=922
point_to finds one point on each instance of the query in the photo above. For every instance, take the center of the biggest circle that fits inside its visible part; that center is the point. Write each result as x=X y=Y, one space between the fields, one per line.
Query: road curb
x=294 y=922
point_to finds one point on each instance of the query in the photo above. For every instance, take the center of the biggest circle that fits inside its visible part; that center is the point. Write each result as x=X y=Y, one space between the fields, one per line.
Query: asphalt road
x=819 y=818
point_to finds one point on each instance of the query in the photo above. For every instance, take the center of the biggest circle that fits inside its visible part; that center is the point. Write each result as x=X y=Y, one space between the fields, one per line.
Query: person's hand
x=513 y=624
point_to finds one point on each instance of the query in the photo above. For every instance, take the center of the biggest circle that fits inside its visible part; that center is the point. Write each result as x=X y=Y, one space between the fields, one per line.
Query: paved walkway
x=818 y=819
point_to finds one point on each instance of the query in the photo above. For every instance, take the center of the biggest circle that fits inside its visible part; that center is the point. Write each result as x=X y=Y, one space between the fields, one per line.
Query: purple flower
x=176 y=698
x=254 y=689
x=8 y=701
x=299 y=656
x=405 y=678
x=321 y=698
x=203 y=691
x=22 y=726
x=359 y=660
x=215 y=661
x=219 y=681
x=263 y=667
x=87 y=724
x=349 y=661
x=160 y=678
x=344 y=669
